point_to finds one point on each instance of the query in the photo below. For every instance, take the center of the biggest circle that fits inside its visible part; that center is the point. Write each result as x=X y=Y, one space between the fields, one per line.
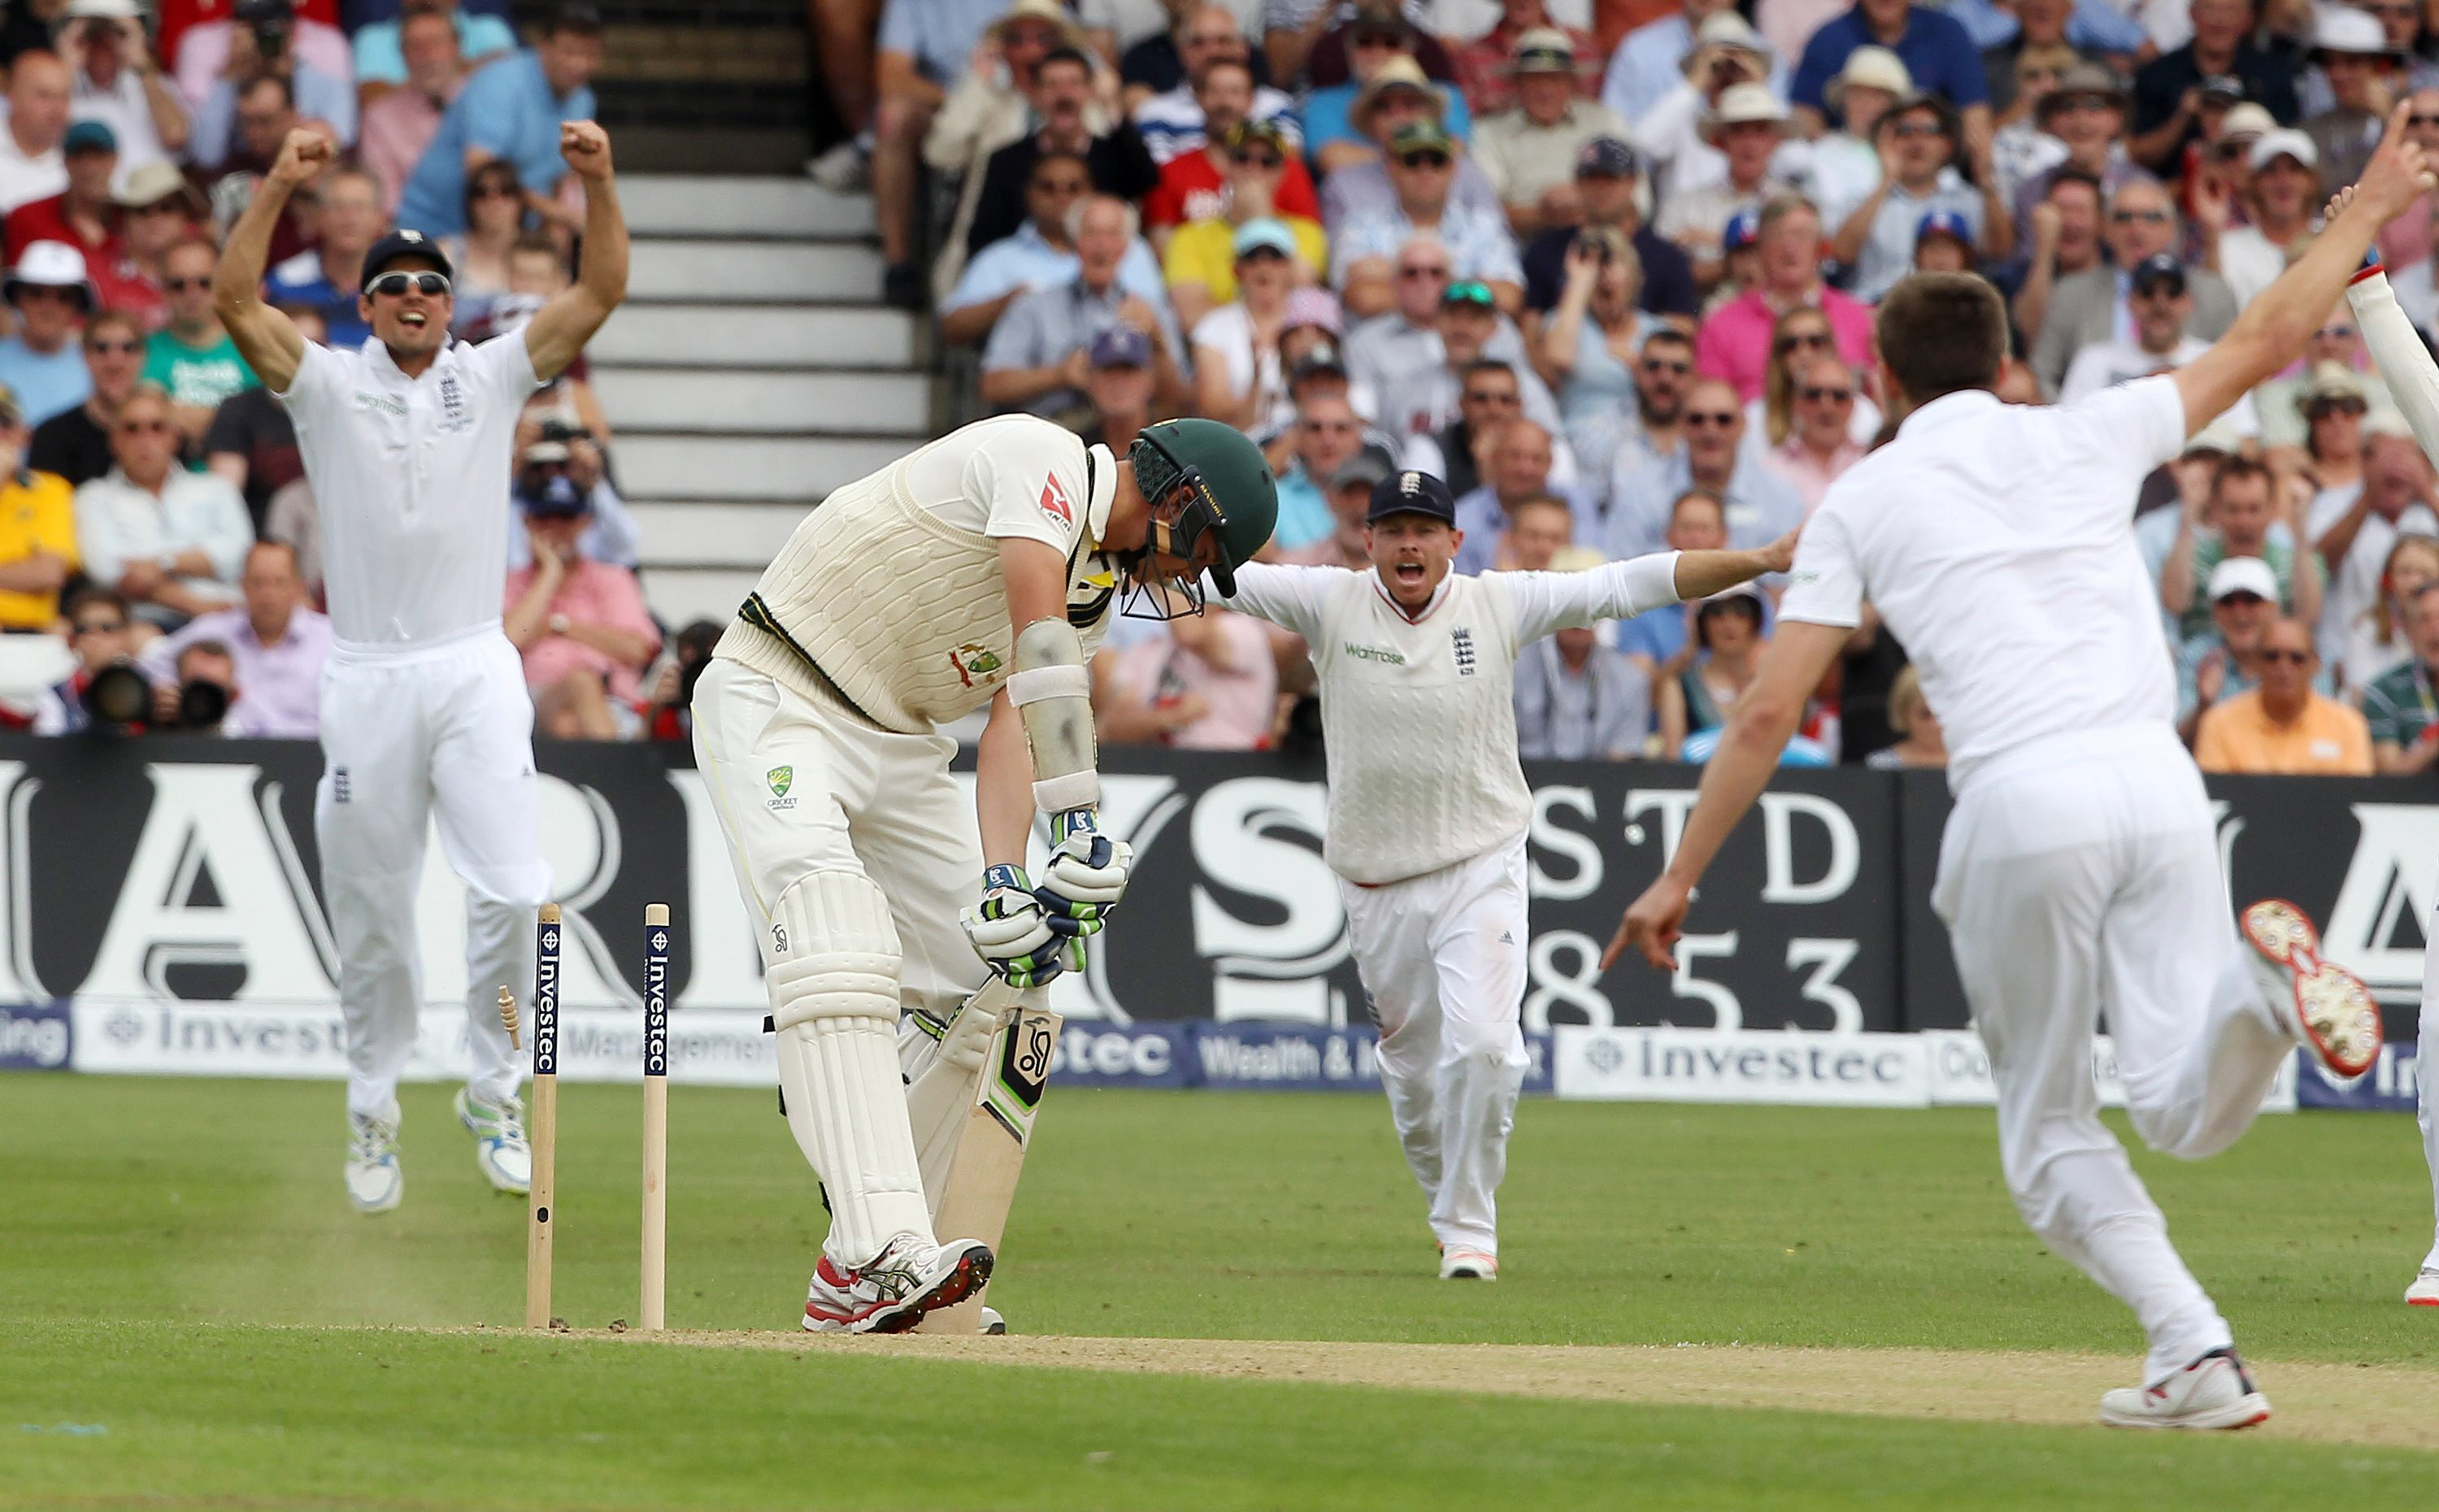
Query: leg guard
x=834 y=1005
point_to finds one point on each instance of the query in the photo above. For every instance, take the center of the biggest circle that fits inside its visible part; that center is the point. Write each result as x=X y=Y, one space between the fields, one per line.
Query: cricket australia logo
x=1462 y=638
x=974 y=660
x=780 y=779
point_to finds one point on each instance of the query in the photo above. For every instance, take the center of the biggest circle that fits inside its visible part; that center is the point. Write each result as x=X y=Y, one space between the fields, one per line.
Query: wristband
x=1004 y=876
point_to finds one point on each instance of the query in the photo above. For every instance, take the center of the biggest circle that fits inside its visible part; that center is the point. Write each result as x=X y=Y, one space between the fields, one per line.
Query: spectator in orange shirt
x=580 y=625
x=2282 y=727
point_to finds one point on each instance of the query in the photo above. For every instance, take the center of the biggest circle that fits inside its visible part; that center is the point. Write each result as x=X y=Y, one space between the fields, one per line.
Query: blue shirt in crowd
x=509 y=110
x=1936 y=50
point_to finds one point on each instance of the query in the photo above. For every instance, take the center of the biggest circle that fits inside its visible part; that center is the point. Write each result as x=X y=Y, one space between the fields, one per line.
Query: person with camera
x=580 y=625
x=561 y=447
x=250 y=39
x=174 y=542
x=276 y=644
x=260 y=48
x=669 y=715
x=105 y=692
x=119 y=84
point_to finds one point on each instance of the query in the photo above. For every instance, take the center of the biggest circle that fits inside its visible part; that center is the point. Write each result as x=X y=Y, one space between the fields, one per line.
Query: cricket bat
x=988 y=1154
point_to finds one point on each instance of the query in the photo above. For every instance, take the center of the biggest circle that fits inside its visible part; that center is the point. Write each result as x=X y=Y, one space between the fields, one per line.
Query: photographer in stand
x=105 y=694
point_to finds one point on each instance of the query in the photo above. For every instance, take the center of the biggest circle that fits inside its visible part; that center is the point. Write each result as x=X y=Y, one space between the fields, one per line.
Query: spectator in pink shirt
x=580 y=624
x=1734 y=341
x=1221 y=663
x=397 y=126
x=1820 y=444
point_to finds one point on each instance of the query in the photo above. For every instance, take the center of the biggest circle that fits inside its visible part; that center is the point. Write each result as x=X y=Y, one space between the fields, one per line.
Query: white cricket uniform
x=885 y=616
x=2079 y=870
x=424 y=709
x=1428 y=815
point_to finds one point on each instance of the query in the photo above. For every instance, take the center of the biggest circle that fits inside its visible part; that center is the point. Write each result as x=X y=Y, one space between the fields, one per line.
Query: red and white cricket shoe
x=2213 y=1391
x=2325 y=1006
x=907 y=1279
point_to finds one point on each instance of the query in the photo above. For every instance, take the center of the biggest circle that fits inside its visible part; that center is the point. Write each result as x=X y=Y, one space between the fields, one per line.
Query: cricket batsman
x=1429 y=810
x=980 y=569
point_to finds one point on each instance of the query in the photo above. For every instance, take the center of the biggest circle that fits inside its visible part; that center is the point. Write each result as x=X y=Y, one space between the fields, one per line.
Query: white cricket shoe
x=2324 y=1006
x=907 y=1279
x=992 y=1321
x=2213 y=1391
x=374 y=1181
x=1468 y=1265
x=500 y=1150
x=843 y=170
x=2425 y=1291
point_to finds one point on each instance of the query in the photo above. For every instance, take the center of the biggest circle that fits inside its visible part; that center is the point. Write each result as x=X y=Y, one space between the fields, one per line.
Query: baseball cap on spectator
x=1869 y=68
x=1049 y=12
x=555 y=497
x=1742 y=230
x=1311 y=306
x=2243 y=575
x=1543 y=50
x=1740 y=103
x=1412 y=492
x=89 y=136
x=2345 y=30
x=2329 y=383
x=1948 y=223
x=1723 y=30
x=2082 y=81
x=51 y=265
x=2285 y=141
x=2225 y=88
x=572 y=15
x=1468 y=292
x=154 y=182
x=1324 y=358
x=1606 y=158
x=2156 y=270
x=1121 y=346
x=1398 y=72
x=1421 y=136
x=1263 y=234
x=1246 y=132
x=104 y=11
x=1367 y=467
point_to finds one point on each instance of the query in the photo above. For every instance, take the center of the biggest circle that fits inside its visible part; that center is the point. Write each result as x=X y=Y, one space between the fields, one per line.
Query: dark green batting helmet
x=1230 y=483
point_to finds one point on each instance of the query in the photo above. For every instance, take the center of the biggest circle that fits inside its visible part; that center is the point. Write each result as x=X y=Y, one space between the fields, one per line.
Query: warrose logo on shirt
x=382 y=402
x=1376 y=653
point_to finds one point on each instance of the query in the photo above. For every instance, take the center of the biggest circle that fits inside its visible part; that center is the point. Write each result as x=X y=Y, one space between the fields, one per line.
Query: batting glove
x=1015 y=937
x=1087 y=873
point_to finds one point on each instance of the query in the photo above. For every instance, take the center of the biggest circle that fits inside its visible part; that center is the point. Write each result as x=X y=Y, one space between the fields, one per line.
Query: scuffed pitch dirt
x=2313 y=1400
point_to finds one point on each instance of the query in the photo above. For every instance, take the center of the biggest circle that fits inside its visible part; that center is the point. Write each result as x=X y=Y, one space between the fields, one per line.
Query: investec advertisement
x=167 y=891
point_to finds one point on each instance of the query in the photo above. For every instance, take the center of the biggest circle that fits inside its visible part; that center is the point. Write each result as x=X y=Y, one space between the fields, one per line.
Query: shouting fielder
x=980 y=569
x=1427 y=811
x=424 y=709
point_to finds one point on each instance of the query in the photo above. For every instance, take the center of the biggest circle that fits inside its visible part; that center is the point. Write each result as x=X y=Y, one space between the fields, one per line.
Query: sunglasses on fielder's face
x=397 y=281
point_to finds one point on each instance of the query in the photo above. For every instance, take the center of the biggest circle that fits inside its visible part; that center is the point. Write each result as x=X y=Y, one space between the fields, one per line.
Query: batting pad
x=1052 y=690
x=834 y=1003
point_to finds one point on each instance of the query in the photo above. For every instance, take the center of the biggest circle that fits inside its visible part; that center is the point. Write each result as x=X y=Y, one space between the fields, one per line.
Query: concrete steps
x=739 y=272
x=682 y=334
x=676 y=398
x=740 y=536
x=728 y=467
x=792 y=209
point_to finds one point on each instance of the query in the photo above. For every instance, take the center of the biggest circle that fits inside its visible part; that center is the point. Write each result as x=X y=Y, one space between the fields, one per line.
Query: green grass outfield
x=189 y=1306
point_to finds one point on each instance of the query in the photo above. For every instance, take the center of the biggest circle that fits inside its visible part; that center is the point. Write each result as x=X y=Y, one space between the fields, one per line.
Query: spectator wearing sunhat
x=1935 y=49
x=1529 y=152
x=37 y=541
x=1747 y=128
x=1650 y=61
x=1726 y=54
x=1844 y=165
x=42 y=362
x=1362 y=252
x=2225 y=659
x=2162 y=300
x=1608 y=180
x=1200 y=261
x=1341 y=124
x=2351 y=50
x=2091 y=29
x=1355 y=178
x=2334 y=379
x=2085 y=113
x=2167 y=90
x=1485 y=66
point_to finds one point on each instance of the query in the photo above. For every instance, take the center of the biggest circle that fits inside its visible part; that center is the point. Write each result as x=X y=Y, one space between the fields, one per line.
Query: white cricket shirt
x=411 y=480
x=1998 y=541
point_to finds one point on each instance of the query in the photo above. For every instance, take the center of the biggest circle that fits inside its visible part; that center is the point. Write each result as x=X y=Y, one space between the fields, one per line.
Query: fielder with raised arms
x=982 y=568
x=2079 y=870
x=424 y=709
x=1429 y=810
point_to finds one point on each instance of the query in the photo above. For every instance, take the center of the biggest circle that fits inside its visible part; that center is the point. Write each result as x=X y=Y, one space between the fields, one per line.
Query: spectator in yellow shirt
x=1200 y=263
x=38 y=547
x=2282 y=727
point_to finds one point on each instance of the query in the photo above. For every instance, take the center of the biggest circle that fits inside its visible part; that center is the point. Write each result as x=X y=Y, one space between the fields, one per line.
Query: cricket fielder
x=2080 y=871
x=2406 y=367
x=424 y=709
x=980 y=569
x=1429 y=810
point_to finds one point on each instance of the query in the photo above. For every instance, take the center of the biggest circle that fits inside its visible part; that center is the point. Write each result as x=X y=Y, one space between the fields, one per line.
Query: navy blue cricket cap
x=406 y=245
x=1412 y=492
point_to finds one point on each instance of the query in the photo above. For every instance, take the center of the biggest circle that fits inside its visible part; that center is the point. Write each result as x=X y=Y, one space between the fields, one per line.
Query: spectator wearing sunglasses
x=1200 y=261
x=52 y=297
x=174 y=542
x=1480 y=250
x=1922 y=152
x=1529 y=152
x=1206 y=183
x=192 y=359
x=328 y=276
x=1820 y=443
x=1383 y=351
x=2096 y=306
x=2162 y=298
x=1759 y=506
x=2283 y=727
x=75 y=443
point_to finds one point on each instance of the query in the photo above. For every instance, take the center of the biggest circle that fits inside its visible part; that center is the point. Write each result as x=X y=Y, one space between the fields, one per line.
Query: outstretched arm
x=560 y=330
x=1547 y=602
x=269 y=341
x=2404 y=363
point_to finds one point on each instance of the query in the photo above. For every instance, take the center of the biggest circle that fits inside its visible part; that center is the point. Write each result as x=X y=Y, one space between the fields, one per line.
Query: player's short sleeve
x=504 y=366
x=1029 y=481
x=1827 y=586
x=320 y=381
x=2127 y=429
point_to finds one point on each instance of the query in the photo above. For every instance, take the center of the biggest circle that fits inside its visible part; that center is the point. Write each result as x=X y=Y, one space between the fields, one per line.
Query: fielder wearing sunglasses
x=395 y=284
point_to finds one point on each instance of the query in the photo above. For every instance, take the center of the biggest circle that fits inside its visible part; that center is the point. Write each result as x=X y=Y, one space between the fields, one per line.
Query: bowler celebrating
x=1427 y=811
x=980 y=569
x=2080 y=868
x=424 y=711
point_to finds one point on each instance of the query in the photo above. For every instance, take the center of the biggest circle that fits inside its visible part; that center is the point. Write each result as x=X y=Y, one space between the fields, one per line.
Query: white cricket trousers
x=2081 y=873
x=2425 y=1107
x=1442 y=958
x=442 y=732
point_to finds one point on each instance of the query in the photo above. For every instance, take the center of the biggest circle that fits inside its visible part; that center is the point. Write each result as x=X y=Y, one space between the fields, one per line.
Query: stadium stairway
x=748 y=374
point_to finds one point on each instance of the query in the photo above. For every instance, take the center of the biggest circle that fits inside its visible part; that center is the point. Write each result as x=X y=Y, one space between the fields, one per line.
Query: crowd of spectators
x=1610 y=267
x=154 y=513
